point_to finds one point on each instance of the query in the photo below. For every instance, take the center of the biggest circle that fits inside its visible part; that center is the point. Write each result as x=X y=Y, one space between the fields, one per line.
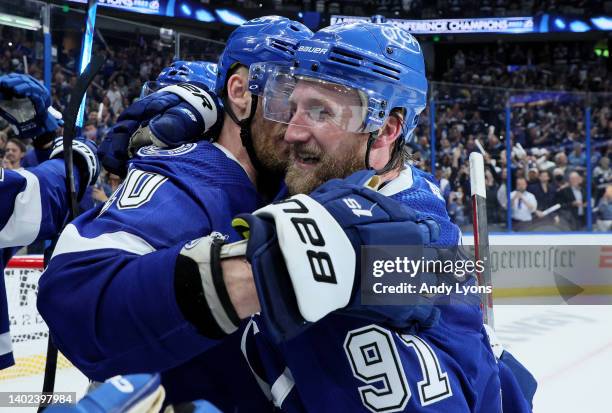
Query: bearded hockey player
x=128 y=262
x=335 y=103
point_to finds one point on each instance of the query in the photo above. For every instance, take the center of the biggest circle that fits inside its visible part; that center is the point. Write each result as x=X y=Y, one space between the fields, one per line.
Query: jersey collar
x=229 y=155
x=403 y=181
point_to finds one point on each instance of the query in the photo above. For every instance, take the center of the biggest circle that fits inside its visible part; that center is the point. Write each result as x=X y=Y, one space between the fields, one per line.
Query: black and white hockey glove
x=200 y=287
x=85 y=159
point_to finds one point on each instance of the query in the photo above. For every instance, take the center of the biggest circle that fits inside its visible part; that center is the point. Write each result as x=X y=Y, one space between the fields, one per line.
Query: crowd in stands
x=548 y=130
x=548 y=156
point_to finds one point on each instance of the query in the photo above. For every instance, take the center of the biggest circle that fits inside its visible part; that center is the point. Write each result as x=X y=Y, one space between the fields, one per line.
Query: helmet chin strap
x=245 y=130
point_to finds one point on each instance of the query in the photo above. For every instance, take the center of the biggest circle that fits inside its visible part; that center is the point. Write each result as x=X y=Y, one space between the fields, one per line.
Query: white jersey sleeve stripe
x=23 y=226
x=71 y=241
x=282 y=387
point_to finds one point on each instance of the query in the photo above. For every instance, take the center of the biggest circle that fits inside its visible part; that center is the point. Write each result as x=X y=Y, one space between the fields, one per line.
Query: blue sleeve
x=34 y=203
x=108 y=293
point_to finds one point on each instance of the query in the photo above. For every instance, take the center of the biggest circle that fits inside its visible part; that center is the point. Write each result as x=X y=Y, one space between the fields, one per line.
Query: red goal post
x=29 y=333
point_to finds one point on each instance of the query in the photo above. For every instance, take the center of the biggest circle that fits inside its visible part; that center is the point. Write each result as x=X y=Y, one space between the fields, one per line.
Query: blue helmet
x=181 y=71
x=382 y=62
x=269 y=38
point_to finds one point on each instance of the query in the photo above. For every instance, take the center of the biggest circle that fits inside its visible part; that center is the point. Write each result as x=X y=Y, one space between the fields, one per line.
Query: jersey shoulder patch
x=157 y=151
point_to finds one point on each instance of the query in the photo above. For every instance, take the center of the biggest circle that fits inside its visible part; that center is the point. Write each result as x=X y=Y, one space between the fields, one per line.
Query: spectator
x=524 y=204
x=424 y=149
x=602 y=173
x=562 y=162
x=494 y=211
x=442 y=178
x=544 y=192
x=115 y=98
x=559 y=178
x=577 y=159
x=456 y=209
x=3 y=140
x=604 y=211
x=502 y=194
x=572 y=198
x=90 y=131
x=533 y=176
x=14 y=153
x=103 y=190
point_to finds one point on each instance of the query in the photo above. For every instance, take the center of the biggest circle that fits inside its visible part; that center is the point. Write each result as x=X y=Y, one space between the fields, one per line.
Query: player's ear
x=238 y=92
x=391 y=130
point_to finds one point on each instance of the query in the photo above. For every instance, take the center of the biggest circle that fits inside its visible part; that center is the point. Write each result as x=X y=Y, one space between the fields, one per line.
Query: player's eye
x=319 y=113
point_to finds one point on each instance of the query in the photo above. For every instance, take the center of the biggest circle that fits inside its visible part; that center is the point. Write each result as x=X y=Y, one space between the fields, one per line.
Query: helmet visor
x=150 y=87
x=314 y=103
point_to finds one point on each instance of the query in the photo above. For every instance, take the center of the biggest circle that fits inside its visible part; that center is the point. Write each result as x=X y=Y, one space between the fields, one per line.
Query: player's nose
x=297 y=133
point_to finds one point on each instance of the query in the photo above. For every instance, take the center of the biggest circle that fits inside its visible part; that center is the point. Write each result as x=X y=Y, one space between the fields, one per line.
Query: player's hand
x=26 y=104
x=305 y=251
x=170 y=117
x=99 y=195
x=85 y=160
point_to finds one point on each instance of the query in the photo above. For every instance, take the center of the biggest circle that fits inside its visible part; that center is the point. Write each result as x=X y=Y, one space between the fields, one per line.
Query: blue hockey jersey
x=108 y=293
x=33 y=206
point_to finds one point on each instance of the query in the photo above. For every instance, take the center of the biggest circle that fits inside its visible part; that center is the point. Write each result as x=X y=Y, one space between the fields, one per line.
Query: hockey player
x=169 y=118
x=330 y=94
x=126 y=267
x=33 y=202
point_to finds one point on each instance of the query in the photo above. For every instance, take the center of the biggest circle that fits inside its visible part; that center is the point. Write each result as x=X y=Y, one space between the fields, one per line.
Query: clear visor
x=150 y=87
x=314 y=103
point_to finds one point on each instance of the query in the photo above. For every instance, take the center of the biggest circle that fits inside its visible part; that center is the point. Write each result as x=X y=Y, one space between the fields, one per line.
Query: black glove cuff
x=217 y=276
x=190 y=298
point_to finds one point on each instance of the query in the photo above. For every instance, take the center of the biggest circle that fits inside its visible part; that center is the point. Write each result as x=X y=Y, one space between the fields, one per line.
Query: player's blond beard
x=347 y=159
x=267 y=135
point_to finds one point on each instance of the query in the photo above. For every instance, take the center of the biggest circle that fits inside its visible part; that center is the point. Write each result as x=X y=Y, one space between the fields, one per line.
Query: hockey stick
x=76 y=96
x=481 y=232
x=70 y=125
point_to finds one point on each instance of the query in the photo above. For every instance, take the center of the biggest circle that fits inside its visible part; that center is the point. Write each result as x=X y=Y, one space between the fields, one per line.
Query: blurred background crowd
x=548 y=87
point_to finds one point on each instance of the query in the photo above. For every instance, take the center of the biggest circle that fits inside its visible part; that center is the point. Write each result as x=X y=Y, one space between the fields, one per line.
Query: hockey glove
x=26 y=104
x=170 y=117
x=200 y=287
x=85 y=160
x=136 y=393
x=305 y=252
